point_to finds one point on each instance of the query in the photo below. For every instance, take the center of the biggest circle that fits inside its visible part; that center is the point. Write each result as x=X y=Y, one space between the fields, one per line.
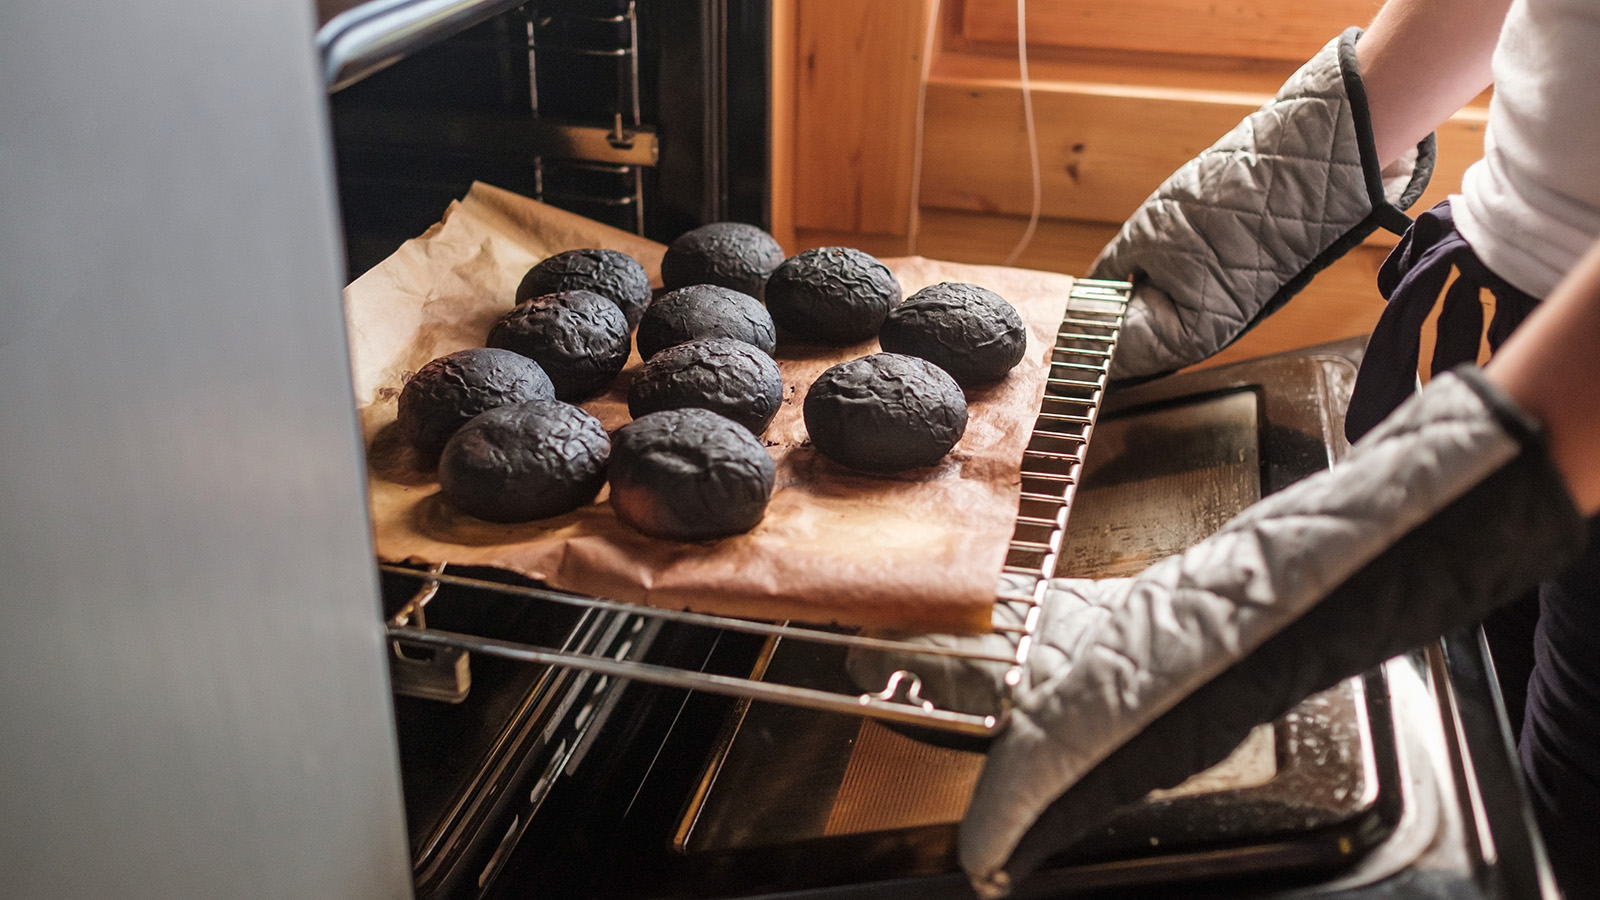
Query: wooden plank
x=880 y=245
x=1103 y=147
x=1342 y=301
x=1261 y=29
x=1058 y=245
x=855 y=106
x=960 y=61
x=782 y=118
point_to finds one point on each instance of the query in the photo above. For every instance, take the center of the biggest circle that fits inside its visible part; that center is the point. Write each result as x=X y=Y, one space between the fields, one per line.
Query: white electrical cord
x=914 y=214
x=1033 y=134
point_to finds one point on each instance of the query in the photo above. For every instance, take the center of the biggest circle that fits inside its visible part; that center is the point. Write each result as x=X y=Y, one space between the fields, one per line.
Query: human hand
x=1234 y=233
x=1446 y=510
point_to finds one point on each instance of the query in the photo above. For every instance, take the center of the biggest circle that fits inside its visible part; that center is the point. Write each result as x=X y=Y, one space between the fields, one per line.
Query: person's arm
x=1421 y=60
x=1550 y=368
x=1237 y=231
x=1471 y=493
x=1232 y=235
x=1461 y=500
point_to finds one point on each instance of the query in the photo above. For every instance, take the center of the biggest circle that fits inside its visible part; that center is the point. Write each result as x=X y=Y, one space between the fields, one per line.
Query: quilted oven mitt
x=1238 y=230
x=1446 y=510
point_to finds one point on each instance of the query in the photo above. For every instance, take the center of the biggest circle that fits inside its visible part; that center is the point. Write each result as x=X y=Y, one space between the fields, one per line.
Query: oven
x=213 y=691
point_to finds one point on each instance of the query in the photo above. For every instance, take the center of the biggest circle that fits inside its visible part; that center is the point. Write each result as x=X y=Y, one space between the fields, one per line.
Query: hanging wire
x=914 y=212
x=1033 y=134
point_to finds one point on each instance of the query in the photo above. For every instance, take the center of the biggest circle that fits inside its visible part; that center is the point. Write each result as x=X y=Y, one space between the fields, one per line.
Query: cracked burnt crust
x=726 y=376
x=530 y=460
x=885 y=413
x=705 y=311
x=966 y=330
x=447 y=392
x=831 y=295
x=689 y=475
x=729 y=254
x=579 y=338
x=612 y=274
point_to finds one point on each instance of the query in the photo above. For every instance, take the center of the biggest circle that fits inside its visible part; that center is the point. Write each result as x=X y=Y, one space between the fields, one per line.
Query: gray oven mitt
x=1447 y=509
x=1238 y=230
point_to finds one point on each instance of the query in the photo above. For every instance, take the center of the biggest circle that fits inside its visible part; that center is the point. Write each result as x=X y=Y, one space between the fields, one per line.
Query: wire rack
x=609 y=184
x=1051 y=466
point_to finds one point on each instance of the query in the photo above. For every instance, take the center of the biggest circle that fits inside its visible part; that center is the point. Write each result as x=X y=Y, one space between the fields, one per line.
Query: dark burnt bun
x=885 y=412
x=726 y=376
x=612 y=274
x=730 y=254
x=579 y=338
x=689 y=475
x=527 y=461
x=705 y=311
x=831 y=295
x=968 y=331
x=450 y=390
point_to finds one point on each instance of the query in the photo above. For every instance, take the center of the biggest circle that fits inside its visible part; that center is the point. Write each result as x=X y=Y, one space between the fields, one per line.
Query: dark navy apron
x=1546 y=646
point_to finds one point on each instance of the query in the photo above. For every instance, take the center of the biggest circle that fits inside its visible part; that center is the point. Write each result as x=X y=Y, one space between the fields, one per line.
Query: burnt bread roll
x=450 y=390
x=885 y=412
x=968 y=331
x=579 y=338
x=612 y=274
x=729 y=254
x=726 y=376
x=531 y=460
x=705 y=311
x=831 y=295
x=689 y=475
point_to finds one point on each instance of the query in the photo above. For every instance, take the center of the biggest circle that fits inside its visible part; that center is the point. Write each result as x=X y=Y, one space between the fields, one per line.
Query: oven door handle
x=373 y=35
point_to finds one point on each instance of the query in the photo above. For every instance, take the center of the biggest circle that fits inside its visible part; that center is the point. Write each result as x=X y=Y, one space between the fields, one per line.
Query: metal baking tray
x=431 y=661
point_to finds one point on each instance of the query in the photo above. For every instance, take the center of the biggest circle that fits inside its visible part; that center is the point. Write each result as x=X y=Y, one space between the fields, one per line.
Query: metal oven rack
x=583 y=134
x=365 y=36
x=582 y=165
x=1051 y=466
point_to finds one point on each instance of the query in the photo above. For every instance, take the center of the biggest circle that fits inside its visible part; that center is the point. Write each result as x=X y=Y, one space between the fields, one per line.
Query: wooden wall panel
x=781 y=135
x=1058 y=245
x=1103 y=148
x=1113 y=123
x=1260 y=29
x=858 y=65
x=1342 y=301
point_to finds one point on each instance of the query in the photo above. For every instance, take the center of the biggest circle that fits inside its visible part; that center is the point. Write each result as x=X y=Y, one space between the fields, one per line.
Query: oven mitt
x=1447 y=509
x=1238 y=230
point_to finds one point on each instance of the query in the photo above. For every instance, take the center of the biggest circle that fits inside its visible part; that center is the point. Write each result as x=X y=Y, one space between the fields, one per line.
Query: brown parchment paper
x=919 y=549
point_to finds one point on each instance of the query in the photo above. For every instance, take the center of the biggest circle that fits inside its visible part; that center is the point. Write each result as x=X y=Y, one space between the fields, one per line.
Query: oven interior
x=651 y=117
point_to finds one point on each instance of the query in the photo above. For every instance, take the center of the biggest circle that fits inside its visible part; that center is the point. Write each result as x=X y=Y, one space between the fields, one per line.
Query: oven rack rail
x=623 y=150
x=1051 y=467
x=372 y=35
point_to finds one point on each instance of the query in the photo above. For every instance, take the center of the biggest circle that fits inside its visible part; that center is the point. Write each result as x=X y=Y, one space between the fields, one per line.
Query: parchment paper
x=919 y=549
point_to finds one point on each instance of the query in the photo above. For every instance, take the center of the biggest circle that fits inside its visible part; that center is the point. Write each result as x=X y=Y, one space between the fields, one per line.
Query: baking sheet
x=920 y=549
